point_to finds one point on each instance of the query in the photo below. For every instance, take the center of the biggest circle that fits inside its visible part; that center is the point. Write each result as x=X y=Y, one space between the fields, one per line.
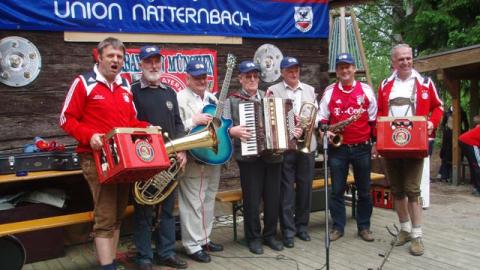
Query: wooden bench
x=50 y=222
x=235 y=196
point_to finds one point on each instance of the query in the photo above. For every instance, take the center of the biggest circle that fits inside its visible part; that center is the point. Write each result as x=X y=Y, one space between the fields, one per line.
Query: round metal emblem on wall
x=20 y=61
x=144 y=150
x=401 y=136
x=268 y=57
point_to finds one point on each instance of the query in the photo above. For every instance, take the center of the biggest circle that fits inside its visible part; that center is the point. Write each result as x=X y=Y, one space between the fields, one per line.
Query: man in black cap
x=157 y=104
x=341 y=100
x=297 y=167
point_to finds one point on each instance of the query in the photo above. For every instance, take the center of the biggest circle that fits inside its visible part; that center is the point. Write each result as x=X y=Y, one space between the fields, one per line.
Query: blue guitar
x=223 y=151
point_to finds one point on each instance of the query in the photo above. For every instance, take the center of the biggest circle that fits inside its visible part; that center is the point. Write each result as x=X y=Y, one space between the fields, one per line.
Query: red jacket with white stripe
x=427 y=101
x=92 y=106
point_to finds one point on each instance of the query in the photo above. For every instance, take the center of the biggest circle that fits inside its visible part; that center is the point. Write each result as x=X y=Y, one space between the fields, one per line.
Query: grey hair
x=398 y=46
x=110 y=41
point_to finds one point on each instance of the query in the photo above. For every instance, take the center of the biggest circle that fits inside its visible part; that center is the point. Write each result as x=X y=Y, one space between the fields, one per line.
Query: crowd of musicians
x=277 y=184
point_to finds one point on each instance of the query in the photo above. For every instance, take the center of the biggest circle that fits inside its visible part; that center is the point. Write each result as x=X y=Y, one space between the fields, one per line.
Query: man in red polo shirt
x=407 y=93
x=470 y=144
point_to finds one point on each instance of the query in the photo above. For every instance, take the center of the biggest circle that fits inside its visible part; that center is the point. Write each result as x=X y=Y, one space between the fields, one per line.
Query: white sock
x=416 y=232
x=406 y=226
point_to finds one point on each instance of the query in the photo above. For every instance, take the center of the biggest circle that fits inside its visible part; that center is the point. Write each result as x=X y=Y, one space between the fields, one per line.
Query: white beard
x=151 y=77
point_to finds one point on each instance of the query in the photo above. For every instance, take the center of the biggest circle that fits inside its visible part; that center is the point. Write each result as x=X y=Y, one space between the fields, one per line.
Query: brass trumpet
x=307 y=114
x=157 y=188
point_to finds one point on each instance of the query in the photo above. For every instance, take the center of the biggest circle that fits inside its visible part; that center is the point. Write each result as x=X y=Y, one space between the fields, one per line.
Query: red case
x=130 y=155
x=402 y=137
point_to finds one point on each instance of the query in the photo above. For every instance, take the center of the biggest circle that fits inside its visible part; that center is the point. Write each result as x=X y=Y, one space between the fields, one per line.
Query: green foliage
x=429 y=26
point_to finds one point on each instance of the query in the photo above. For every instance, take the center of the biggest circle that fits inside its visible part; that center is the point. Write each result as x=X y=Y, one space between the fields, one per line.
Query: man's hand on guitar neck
x=201 y=119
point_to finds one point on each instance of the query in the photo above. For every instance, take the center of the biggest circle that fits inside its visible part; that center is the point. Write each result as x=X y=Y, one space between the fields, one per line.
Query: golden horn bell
x=157 y=188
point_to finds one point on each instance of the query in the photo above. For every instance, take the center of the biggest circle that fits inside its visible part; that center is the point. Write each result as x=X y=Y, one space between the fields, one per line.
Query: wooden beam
x=151 y=38
x=361 y=48
x=453 y=87
x=473 y=100
x=448 y=60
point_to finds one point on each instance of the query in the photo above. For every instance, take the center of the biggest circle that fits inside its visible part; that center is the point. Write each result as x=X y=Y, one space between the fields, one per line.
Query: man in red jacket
x=470 y=144
x=407 y=93
x=97 y=102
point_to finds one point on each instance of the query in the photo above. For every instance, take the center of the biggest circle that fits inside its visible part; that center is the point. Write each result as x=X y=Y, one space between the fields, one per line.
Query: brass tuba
x=308 y=115
x=157 y=188
x=338 y=127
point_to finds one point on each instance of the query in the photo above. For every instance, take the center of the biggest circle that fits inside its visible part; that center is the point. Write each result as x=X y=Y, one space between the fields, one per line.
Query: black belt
x=367 y=142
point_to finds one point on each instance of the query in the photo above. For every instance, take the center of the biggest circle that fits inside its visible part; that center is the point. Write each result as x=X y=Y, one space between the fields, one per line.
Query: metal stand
x=324 y=129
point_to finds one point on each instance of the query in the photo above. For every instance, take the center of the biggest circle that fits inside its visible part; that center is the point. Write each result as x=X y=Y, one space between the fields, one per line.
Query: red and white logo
x=303 y=18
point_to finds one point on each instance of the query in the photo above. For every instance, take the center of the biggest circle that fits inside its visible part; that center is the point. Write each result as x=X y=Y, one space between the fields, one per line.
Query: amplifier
x=130 y=155
x=402 y=137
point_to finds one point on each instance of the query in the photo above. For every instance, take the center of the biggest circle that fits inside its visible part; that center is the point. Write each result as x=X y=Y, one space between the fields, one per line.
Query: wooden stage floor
x=451 y=238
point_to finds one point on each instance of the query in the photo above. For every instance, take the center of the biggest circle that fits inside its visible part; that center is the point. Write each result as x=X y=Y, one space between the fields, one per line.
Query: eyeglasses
x=251 y=76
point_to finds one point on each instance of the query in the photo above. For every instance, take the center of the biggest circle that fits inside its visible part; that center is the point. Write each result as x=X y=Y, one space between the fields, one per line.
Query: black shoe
x=174 y=262
x=288 y=242
x=304 y=236
x=255 y=247
x=212 y=247
x=200 y=256
x=273 y=244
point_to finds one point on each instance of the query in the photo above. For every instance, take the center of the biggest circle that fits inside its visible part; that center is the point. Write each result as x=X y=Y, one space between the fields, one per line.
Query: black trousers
x=296 y=192
x=473 y=156
x=260 y=182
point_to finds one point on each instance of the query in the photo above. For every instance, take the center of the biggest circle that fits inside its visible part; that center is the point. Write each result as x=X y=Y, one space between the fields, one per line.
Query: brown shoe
x=335 y=235
x=366 y=235
x=416 y=247
x=403 y=237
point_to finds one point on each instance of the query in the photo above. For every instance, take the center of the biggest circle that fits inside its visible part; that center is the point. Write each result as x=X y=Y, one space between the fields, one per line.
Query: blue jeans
x=339 y=160
x=164 y=235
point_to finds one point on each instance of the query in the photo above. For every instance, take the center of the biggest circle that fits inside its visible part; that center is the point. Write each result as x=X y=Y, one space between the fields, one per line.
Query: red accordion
x=402 y=137
x=131 y=154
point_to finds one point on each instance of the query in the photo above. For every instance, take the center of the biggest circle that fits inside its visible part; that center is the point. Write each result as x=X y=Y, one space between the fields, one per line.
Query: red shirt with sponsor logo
x=341 y=102
x=93 y=106
x=471 y=137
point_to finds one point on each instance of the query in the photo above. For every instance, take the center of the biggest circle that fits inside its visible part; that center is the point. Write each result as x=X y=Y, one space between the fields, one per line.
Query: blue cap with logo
x=148 y=51
x=247 y=66
x=288 y=61
x=196 y=68
x=344 y=58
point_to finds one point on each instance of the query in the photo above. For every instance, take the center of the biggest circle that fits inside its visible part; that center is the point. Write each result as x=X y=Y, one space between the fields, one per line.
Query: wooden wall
x=34 y=110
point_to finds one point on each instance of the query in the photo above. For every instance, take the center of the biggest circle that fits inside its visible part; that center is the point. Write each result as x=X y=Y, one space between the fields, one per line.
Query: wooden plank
x=447 y=60
x=151 y=38
x=37 y=175
x=50 y=222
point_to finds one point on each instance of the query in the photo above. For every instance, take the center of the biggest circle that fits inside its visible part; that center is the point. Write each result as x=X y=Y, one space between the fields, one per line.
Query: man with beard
x=97 y=102
x=157 y=104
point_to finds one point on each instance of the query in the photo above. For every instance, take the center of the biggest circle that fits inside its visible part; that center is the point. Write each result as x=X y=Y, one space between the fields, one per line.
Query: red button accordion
x=130 y=155
x=402 y=137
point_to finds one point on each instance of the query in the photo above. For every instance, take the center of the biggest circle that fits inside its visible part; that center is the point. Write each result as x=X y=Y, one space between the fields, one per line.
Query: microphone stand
x=324 y=129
